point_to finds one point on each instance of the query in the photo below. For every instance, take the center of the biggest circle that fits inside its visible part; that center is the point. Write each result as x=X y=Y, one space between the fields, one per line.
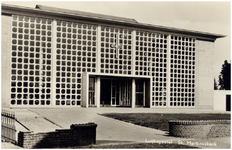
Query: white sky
x=209 y=16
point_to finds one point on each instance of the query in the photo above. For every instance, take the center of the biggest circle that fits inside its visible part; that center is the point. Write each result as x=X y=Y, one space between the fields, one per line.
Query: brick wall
x=200 y=129
x=77 y=135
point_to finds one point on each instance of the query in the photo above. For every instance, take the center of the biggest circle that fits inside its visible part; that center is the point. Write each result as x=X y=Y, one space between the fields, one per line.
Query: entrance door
x=228 y=104
x=114 y=92
x=140 y=96
x=125 y=92
x=105 y=96
x=91 y=91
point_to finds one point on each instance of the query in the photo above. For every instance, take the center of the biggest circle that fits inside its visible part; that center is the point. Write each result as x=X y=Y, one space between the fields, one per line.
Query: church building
x=54 y=57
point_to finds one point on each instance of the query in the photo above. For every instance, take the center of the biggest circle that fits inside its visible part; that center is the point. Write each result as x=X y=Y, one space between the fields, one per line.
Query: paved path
x=5 y=145
x=108 y=130
x=33 y=121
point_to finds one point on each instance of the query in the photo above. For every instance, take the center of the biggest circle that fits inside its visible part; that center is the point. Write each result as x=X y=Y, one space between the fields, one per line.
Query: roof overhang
x=41 y=11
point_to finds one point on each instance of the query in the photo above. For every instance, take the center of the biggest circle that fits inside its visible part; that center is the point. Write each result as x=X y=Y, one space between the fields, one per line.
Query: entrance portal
x=116 y=92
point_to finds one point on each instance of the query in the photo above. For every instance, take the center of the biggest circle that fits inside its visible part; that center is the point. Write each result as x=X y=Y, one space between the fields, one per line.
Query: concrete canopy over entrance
x=102 y=90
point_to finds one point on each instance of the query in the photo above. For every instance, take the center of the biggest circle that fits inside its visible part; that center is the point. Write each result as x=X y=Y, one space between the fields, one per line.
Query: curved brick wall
x=199 y=128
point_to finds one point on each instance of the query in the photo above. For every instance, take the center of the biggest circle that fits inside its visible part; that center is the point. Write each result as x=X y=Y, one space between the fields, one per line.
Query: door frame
x=85 y=88
x=92 y=91
x=143 y=92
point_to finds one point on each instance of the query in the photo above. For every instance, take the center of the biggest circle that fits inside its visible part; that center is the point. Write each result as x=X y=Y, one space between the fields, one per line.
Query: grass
x=160 y=121
x=137 y=145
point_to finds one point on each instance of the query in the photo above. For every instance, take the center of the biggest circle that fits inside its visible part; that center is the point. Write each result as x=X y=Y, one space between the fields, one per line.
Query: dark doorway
x=118 y=92
x=105 y=96
x=139 y=92
x=125 y=92
x=228 y=103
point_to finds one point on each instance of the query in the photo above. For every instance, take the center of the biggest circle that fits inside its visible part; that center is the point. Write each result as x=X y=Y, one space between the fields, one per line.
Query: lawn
x=160 y=121
x=138 y=145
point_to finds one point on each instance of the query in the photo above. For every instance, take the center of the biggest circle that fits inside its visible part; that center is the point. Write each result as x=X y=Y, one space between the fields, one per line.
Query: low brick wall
x=77 y=135
x=199 y=129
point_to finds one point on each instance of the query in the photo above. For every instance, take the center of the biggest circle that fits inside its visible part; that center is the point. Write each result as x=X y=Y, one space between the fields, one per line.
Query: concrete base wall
x=6 y=61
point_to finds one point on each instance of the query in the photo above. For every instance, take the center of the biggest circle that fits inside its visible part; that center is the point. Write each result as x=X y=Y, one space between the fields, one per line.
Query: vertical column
x=133 y=52
x=120 y=91
x=53 y=79
x=196 y=73
x=144 y=92
x=6 y=62
x=85 y=90
x=151 y=90
x=111 y=93
x=97 y=91
x=168 y=70
x=98 y=61
x=133 y=94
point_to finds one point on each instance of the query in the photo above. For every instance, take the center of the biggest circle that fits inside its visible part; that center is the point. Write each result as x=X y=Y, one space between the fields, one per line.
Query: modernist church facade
x=54 y=57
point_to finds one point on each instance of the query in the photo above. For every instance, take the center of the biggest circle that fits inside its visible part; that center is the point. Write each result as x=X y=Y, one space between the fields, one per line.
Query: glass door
x=140 y=96
x=91 y=91
x=125 y=92
x=115 y=92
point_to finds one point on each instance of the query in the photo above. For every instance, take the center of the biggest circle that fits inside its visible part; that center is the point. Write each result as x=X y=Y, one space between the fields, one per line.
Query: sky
x=207 y=16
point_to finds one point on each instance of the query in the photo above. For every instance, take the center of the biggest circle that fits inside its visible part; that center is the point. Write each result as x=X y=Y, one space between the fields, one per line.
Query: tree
x=215 y=85
x=224 y=77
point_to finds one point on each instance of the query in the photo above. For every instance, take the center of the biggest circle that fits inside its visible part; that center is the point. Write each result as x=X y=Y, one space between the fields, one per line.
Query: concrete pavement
x=33 y=121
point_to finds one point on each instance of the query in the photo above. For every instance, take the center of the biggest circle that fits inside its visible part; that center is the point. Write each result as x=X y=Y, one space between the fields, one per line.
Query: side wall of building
x=204 y=74
x=220 y=99
x=5 y=61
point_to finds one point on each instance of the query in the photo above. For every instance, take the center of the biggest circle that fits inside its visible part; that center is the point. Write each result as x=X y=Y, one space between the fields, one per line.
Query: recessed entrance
x=105 y=97
x=116 y=92
x=140 y=93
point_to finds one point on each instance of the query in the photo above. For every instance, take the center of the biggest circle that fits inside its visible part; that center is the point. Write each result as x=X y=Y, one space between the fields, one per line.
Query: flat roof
x=85 y=14
x=53 y=12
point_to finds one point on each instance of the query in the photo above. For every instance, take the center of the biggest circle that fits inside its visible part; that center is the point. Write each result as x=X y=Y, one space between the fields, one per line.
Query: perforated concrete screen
x=182 y=73
x=49 y=58
x=31 y=61
x=116 y=56
x=75 y=53
x=151 y=60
